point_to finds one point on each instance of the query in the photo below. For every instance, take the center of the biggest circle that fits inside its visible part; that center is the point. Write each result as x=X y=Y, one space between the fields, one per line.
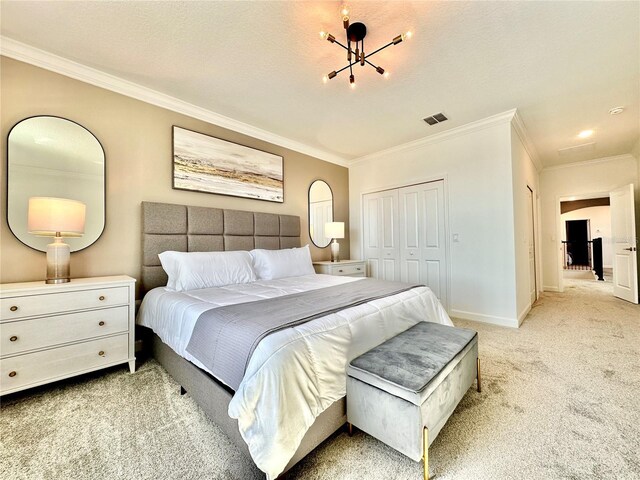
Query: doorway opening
x=577 y=246
x=599 y=241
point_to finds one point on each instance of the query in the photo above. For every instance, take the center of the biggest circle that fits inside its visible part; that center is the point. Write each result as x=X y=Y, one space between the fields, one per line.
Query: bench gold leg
x=478 y=377
x=350 y=427
x=425 y=452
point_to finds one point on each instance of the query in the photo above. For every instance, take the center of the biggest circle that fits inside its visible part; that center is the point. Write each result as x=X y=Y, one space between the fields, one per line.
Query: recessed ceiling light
x=585 y=133
x=616 y=110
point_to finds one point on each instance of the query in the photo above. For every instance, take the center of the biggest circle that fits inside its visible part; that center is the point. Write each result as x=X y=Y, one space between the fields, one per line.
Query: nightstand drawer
x=24 y=335
x=347 y=269
x=60 y=302
x=41 y=367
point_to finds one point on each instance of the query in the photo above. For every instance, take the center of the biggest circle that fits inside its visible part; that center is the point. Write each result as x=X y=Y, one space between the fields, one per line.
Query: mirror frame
x=104 y=177
x=333 y=208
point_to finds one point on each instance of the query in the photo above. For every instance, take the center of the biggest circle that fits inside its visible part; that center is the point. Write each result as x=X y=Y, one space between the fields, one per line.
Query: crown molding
x=521 y=130
x=501 y=118
x=55 y=63
x=624 y=156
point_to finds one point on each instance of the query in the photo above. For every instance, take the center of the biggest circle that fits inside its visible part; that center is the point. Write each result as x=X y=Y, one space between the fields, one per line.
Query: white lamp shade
x=334 y=230
x=48 y=216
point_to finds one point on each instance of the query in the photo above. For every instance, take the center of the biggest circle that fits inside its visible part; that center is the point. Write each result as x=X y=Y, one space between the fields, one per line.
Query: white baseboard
x=546 y=288
x=523 y=314
x=480 y=317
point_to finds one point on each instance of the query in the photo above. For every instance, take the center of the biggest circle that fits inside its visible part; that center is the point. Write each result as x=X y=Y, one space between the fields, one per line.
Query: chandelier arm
x=347 y=49
x=367 y=61
x=376 y=51
x=344 y=68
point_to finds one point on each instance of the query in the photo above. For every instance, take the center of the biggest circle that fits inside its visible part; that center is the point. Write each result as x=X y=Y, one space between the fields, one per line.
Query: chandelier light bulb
x=324 y=35
x=345 y=11
x=407 y=35
x=325 y=79
x=386 y=74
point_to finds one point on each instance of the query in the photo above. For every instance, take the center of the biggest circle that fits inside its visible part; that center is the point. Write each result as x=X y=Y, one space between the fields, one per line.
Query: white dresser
x=51 y=332
x=349 y=268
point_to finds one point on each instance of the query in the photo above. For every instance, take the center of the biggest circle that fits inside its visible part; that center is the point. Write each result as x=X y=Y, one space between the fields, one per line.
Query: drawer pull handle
x=13 y=338
x=12 y=374
x=101 y=298
x=340 y=271
x=358 y=269
x=101 y=353
x=101 y=323
x=14 y=308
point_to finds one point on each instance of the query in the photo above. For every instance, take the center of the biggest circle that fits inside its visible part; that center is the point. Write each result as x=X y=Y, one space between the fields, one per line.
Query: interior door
x=623 y=233
x=532 y=247
x=381 y=234
x=423 y=237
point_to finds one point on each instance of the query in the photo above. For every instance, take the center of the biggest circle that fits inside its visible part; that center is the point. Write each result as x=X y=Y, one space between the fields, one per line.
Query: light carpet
x=561 y=400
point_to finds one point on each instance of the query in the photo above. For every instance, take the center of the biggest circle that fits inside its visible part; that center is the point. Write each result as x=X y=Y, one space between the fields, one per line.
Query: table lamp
x=56 y=217
x=334 y=230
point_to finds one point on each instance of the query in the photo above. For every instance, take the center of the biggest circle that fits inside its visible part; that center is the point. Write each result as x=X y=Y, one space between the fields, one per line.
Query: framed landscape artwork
x=207 y=164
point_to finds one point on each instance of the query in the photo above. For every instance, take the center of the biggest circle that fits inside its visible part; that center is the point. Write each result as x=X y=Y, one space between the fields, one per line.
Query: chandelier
x=355 y=33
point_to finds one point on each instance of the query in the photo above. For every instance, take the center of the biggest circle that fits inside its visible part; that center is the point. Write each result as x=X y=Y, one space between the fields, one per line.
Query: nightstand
x=348 y=268
x=51 y=332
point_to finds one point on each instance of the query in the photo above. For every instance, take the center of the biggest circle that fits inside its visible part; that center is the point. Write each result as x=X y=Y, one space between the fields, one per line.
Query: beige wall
x=136 y=137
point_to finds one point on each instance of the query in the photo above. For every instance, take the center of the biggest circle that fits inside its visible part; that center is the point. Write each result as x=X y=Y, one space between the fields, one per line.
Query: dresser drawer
x=60 y=302
x=357 y=269
x=56 y=363
x=24 y=335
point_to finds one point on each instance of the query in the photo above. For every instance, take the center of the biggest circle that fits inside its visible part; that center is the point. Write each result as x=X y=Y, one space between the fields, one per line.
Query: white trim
x=519 y=127
x=49 y=61
x=504 y=117
x=523 y=314
x=589 y=162
x=480 y=317
x=548 y=288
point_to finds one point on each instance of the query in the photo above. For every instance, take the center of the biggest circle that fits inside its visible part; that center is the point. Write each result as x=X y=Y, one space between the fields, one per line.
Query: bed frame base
x=214 y=398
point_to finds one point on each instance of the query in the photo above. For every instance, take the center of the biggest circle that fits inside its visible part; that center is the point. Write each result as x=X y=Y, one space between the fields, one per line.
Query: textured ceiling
x=562 y=64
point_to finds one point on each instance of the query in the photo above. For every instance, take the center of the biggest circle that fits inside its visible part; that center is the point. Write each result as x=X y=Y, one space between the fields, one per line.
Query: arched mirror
x=54 y=157
x=320 y=212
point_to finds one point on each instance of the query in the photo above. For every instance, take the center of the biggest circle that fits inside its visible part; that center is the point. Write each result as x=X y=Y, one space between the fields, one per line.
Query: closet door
x=380 y=214
x=422 y=237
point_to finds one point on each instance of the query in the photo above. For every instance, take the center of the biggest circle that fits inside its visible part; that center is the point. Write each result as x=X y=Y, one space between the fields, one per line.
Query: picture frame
x=203 y=163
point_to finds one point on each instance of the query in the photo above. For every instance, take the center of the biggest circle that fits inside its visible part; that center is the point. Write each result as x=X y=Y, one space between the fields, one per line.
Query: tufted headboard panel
x=184 y=228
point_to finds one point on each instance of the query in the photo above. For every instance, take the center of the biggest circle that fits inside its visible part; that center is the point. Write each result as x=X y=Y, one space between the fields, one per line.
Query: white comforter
x=295 y=373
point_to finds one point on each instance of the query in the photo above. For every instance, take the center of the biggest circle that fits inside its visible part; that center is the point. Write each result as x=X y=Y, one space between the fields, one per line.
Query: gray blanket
x=224 y=338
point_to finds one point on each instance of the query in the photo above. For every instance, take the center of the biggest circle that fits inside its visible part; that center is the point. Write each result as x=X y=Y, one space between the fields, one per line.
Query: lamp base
x=58 y=256
x=335 y=251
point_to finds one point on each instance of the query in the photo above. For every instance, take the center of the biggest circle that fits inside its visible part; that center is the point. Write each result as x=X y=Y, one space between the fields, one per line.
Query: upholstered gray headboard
x=183 y=228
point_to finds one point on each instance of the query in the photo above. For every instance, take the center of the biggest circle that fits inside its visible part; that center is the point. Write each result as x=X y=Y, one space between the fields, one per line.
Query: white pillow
x=290 y=262
x=194 y=270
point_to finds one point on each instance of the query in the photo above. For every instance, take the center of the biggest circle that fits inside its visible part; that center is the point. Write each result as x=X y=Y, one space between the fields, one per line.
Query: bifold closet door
x=422 y=237
x=380 y=210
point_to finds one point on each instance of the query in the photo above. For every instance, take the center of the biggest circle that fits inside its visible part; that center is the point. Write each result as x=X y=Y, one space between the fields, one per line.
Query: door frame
x=418 y=181
x=535 y=209
x=560 y=227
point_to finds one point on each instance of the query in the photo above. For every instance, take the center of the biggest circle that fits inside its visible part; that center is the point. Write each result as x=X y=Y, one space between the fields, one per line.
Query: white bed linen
x=295 y=373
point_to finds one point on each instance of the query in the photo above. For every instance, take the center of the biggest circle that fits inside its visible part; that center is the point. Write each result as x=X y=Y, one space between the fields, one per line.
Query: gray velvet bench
x=403 y=391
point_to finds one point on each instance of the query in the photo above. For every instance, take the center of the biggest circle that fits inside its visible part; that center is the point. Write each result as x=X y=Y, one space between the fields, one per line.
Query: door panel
x=381 y=234
x=432 y=211
x=623 y=233
x=405 y=237
x=533 y=289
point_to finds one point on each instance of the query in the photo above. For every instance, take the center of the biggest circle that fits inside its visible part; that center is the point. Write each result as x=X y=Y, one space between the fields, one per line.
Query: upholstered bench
x=403 y=391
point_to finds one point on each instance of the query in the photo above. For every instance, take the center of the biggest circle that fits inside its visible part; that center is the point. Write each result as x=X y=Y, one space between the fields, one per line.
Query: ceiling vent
x=437 y=118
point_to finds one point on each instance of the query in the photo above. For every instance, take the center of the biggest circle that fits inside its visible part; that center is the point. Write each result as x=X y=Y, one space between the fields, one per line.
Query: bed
x=291 y=397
